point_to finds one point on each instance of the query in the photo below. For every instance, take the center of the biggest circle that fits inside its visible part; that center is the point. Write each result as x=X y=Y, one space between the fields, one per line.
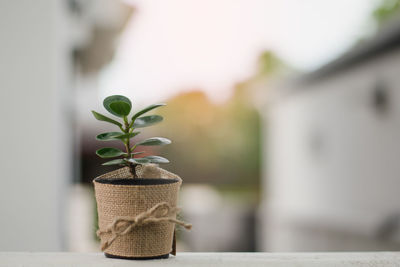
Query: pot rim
x=135 y=181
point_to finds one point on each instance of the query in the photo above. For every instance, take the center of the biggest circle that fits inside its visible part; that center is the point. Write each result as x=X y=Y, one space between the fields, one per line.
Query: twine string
x=122 y=225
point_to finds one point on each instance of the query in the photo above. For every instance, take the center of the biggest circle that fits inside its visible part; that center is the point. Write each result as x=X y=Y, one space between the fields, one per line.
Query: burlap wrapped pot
x=129 y=211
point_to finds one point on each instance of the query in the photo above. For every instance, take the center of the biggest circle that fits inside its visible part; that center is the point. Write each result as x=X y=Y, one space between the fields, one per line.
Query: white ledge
x=35 y=259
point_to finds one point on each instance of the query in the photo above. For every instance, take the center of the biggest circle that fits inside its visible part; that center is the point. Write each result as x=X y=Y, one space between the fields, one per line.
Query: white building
x=332 y=177
x=46 y=47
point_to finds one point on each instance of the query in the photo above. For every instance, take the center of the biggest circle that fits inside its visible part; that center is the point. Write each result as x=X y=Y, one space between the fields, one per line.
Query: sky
x=170 y=46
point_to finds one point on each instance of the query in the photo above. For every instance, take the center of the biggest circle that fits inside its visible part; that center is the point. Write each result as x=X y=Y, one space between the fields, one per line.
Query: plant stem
x=131 y=166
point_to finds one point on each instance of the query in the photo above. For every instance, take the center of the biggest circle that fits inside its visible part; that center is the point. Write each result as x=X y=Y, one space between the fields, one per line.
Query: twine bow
x=122 y=225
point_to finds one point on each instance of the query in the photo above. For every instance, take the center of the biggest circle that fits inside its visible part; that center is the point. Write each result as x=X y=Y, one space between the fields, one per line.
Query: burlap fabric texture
x=127 y=201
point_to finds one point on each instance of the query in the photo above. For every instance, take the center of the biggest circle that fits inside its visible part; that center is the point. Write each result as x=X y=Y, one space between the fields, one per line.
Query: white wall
x=35 y=127
x=333 y=161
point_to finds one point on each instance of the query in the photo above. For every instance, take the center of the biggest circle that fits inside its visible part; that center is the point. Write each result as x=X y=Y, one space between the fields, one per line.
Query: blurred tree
x=268 y=65
x=241 y=130
x=386 y=10
x=217 y=144
x=189 y=122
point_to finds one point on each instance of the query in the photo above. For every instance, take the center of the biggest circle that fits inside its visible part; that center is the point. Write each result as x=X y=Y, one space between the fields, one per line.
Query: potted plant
x=136 y=204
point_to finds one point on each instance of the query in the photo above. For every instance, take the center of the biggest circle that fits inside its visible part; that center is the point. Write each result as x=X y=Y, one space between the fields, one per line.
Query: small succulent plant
x=121 y=106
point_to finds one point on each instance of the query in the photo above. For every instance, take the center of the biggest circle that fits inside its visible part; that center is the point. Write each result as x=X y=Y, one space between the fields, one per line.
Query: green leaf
x=115 y=136
x=127 y=135
x=154 y=141
x=156 y=159
x=109 y=152
x=147 y=121
x=115 y=162
x=138 y=153
x=108 y=136
x=118 y=105
x=147 y=110
x=138 y=161
x=101 y=117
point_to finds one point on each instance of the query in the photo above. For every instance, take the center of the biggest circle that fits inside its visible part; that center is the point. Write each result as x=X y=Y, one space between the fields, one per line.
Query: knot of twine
x=161 y=212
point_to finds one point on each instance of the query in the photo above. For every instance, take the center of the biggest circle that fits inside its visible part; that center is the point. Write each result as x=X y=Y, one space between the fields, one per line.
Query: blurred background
x=284 y=116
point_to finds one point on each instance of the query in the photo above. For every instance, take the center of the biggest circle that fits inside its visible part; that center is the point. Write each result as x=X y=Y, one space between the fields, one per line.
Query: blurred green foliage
x=385 y=10
x=220 y=144
x=217 y=144
x=269 y=65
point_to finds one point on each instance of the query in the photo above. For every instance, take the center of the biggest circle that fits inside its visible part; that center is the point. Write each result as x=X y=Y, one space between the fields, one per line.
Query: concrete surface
x=21 y=259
